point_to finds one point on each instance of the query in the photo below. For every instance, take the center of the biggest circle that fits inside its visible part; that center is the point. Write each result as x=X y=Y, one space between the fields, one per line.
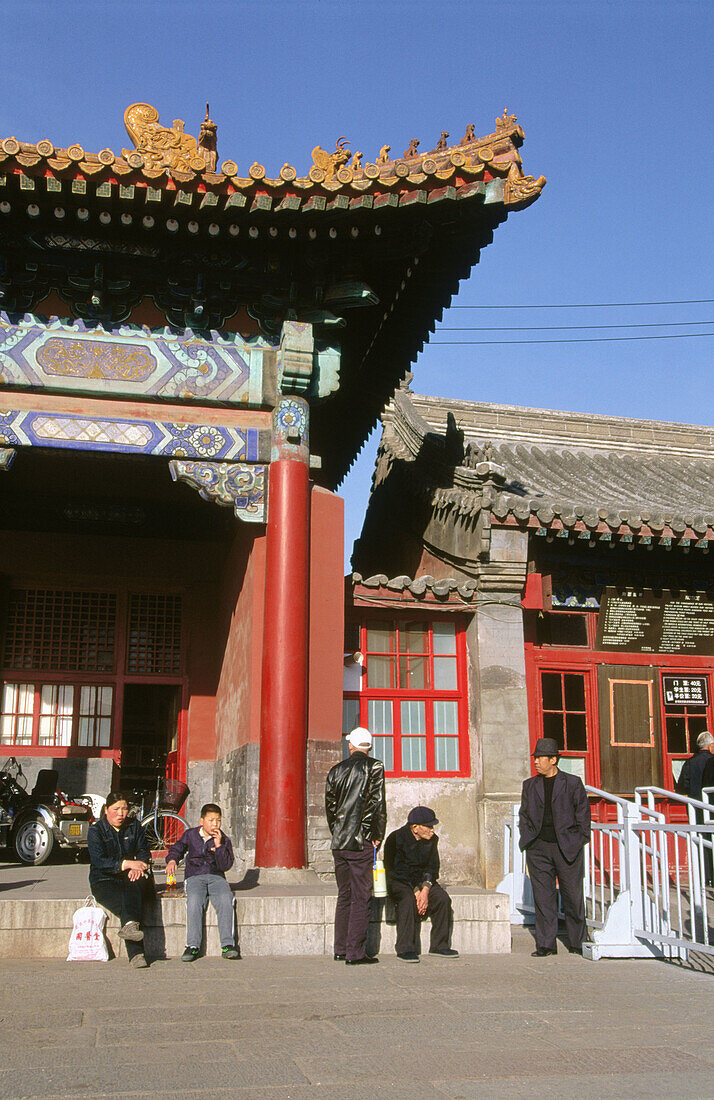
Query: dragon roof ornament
x=168 y=151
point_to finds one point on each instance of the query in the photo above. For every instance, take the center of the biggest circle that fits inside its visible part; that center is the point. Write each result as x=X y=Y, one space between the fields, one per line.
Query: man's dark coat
x=571 y=813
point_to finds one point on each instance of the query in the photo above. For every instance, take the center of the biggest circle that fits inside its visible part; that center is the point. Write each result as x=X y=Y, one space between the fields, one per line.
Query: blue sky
x=615 y=100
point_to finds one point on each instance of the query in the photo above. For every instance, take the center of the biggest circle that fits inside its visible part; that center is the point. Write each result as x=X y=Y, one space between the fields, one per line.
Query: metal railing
x=645 y=878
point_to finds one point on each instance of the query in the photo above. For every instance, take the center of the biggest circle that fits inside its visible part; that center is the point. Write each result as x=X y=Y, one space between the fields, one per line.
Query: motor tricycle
x=33 y=822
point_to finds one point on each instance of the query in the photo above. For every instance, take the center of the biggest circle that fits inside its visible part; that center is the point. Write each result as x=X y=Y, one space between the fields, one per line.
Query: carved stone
x=230 y=484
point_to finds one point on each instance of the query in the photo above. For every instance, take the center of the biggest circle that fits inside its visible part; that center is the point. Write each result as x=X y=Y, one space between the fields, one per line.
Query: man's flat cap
x=422 y=815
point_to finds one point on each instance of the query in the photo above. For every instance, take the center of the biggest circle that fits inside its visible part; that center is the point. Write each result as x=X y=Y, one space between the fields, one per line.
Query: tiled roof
x=167 y=159
x=562 y=471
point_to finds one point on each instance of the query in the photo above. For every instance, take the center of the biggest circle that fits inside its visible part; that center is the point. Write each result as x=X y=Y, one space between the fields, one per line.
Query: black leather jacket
x=355 y=802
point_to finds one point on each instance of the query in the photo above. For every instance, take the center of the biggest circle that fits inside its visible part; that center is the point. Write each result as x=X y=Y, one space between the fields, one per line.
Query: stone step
x=277 y=921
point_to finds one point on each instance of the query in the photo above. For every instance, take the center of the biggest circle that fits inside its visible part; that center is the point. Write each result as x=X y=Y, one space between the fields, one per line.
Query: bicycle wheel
x=169 y=828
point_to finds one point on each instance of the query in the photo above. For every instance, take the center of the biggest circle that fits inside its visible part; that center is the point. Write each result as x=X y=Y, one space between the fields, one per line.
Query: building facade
x=542 y=574
x=190 y=358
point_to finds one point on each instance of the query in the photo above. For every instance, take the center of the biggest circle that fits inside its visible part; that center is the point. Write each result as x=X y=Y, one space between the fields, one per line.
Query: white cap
x=360 y=737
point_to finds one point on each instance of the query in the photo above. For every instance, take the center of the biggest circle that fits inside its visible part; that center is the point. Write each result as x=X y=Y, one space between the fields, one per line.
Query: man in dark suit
x=554 y=822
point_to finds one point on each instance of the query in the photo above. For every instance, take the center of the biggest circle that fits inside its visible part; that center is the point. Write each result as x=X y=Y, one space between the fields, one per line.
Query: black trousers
x=123 y=899
x=353 y=872
x=545 y=863
x=409 y=921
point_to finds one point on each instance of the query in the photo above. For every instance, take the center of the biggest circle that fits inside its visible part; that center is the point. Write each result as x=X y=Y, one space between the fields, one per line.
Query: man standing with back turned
x=356 y=809
x=554 y=822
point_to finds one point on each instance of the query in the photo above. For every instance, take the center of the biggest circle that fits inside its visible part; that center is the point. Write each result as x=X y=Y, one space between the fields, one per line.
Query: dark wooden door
x=630 y=738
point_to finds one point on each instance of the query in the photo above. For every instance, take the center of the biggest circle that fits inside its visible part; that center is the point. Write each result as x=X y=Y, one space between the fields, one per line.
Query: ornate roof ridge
x=166 y=156
x=525 y=425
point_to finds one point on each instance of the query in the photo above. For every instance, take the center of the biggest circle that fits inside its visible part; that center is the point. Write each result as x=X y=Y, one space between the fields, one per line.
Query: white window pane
x=9 y=698
x=85 y=731
x=446 y=717
x=24 y=730
x=383 y=749
x=445 y=673
x=25 y=698
x=87 y=697
x=444 y=637
x=381 y=638
x=379 y=717
x=575 y=765
x=47 y=729
x=105 y=701
x=63 y=733
x=350 y=715
x=414 y=754
x=413 y=717
x=48 y=699
x=105 y=730
x=7 y=729
x=446 y=754
x=66 y=700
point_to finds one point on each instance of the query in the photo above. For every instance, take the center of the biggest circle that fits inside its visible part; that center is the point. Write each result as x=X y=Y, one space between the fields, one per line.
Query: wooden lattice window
x=154 y=636
x=60 y=631
x=56 y=715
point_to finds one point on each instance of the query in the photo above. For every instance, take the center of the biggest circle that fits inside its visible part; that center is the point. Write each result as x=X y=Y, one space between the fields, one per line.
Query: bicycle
x=162 y=822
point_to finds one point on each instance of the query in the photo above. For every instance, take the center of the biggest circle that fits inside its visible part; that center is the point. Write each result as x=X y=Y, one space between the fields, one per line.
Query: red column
x=281 y=826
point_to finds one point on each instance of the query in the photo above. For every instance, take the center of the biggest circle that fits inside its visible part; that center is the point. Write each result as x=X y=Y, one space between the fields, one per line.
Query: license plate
x=75 y=828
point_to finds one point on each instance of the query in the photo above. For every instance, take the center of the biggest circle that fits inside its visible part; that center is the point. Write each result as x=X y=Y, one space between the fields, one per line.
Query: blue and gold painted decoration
x=20 y=428
x=132 y=361
x=291 y=429
x=233 y=484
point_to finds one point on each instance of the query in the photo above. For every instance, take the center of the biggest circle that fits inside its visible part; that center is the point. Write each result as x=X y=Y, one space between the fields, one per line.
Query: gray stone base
x=278 y=921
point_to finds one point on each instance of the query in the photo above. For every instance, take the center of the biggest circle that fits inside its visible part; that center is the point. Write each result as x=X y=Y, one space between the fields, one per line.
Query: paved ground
x=312 y=1029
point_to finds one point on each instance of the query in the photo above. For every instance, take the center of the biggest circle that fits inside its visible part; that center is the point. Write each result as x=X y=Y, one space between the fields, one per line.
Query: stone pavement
x=505 y=1026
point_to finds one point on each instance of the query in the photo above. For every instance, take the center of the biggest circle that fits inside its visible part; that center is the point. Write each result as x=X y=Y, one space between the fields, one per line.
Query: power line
x=579 y=340
x=588 y=305
x=565 y=328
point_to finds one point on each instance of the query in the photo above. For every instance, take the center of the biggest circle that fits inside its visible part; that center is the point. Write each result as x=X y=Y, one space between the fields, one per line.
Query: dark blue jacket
x=202 y=856
x=108 y=848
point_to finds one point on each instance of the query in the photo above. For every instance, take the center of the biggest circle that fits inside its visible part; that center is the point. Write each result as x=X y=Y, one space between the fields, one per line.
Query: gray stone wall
x=497 y=688
x=321 y=755
x=201 y=782
x=235 y=787
x=75 y=775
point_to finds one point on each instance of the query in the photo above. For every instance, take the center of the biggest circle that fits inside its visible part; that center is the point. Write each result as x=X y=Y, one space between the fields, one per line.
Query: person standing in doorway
x=356 y=809
x=554 y=822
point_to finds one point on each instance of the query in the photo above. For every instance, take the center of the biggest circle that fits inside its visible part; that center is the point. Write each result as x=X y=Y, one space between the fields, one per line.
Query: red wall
x=241 y=619
x=327 y=615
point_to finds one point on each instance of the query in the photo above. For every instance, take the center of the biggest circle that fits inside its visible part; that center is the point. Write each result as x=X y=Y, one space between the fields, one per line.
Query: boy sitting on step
x=209 y=854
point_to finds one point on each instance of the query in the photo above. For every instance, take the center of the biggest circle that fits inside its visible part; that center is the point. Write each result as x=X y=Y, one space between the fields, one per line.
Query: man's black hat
x=546 y=746
x=422 y=815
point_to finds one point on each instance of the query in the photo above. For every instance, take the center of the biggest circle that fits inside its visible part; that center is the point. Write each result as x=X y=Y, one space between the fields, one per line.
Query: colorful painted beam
x=133 y=361
x=20 y=428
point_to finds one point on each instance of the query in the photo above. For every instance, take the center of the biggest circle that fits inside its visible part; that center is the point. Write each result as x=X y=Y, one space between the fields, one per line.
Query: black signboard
x=685 y=691
x=642 y=621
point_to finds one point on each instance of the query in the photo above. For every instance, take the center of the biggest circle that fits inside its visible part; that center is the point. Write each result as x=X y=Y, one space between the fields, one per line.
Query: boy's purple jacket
x=202 y=856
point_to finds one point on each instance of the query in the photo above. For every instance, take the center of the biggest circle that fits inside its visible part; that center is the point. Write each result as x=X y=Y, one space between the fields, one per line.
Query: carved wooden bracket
x=232 y=484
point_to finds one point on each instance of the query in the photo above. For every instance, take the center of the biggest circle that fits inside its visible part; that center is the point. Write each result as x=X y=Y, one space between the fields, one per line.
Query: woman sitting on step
x=119 y=873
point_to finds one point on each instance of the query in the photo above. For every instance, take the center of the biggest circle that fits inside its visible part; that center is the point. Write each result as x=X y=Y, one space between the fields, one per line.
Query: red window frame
x=428 y=695
x=117 y=677
x=55 y=748
x=547 y=658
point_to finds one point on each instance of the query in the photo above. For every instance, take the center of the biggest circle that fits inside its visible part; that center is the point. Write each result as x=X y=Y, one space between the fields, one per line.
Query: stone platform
x=37 y=905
